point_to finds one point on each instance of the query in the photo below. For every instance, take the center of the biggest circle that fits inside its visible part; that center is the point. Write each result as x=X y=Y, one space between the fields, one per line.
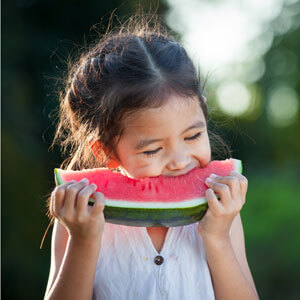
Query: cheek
x=149 y=167
x=203 y=152
x=139 y=167
x=208 y=154
x=148 y=171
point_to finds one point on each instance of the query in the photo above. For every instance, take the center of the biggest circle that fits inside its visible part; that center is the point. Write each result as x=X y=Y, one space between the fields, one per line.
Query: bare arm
x=74 y=251
x=73 y=266
x=226 y=255
x=228 y=265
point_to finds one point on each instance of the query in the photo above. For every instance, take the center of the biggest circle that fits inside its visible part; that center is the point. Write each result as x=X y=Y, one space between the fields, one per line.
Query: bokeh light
x=282 y=106
x=233 y=97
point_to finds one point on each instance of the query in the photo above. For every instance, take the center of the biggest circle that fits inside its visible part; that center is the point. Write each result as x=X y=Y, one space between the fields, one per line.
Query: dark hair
x=138 y=67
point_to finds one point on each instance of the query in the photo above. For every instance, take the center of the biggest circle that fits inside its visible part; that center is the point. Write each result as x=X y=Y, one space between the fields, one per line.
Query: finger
x=213 y=202
x=83 y=198
x=99 y=204
x=58 y=197
x=243 y=181
x=72 y=192
x=233 y=183
x=222 y=190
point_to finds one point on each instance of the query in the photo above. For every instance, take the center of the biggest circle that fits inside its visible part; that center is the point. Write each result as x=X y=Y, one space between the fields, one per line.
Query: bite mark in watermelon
x=161 y=201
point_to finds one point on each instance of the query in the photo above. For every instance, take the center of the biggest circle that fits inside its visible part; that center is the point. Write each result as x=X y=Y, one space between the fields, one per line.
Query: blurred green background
x=263 y=129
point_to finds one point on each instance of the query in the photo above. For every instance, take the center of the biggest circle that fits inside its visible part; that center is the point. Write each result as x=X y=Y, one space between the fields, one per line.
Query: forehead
x=175 y=114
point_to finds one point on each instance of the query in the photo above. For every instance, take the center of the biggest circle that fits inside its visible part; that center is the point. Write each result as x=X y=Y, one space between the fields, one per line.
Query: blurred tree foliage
x=37 y=38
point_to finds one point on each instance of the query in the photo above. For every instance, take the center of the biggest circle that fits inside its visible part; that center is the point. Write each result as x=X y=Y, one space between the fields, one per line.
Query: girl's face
x=170 y=140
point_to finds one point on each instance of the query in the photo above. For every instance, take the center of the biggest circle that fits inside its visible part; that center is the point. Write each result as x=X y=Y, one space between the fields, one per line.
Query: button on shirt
x=158 y=260
x=130 y=268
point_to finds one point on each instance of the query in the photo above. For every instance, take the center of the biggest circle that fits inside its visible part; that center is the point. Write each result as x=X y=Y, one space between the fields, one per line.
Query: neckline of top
x=167 y=242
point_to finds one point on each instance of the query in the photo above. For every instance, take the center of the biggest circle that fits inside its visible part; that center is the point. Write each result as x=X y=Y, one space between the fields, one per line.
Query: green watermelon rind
x=58 y=179
x=147 y=217
x=153 y=217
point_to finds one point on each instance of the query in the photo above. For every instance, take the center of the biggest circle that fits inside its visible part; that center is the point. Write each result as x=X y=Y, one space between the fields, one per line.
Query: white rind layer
x=155 y=205
x=237 y=165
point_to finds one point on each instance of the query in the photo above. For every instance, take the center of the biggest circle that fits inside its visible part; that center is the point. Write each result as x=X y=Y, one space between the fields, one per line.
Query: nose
x=178 y=161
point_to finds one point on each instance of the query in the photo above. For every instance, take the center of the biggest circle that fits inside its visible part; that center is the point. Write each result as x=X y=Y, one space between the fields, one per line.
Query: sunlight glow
x=228 y=39
x=224 y=32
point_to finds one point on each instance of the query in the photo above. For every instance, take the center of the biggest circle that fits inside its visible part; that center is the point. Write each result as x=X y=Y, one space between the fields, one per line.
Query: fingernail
x=85 y=180
x=213 y=175
x=94 y=185
x=208 y=180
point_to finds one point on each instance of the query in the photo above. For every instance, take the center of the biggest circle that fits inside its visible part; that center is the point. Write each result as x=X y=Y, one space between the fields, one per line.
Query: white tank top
x=130 y=268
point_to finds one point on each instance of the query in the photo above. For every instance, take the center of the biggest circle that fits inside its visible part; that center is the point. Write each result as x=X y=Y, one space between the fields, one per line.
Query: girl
x=134 y=102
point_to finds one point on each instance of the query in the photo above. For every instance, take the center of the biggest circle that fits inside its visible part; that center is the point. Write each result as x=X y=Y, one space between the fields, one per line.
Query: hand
x=220 y=214
x=69 y=204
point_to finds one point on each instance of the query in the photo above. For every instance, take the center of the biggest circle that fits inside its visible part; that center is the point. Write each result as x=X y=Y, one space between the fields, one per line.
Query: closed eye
x=152 y=152
x=194 y=137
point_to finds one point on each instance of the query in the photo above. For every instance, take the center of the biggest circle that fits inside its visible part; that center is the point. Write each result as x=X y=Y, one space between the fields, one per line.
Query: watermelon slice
x=154 y=201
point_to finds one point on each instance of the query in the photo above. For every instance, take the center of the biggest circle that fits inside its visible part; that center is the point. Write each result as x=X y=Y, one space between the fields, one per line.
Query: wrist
x=85 y=241
x=218 y=241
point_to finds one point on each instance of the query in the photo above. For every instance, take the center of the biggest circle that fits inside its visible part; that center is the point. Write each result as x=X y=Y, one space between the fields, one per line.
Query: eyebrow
x=143 y=143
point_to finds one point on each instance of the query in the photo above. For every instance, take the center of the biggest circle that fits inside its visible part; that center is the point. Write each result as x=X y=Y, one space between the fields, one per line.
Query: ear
x=112 y=164
x=204 y=99
x=97 y=147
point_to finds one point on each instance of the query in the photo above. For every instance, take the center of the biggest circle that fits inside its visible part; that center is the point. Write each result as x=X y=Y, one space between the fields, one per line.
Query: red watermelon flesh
x=114 y=185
